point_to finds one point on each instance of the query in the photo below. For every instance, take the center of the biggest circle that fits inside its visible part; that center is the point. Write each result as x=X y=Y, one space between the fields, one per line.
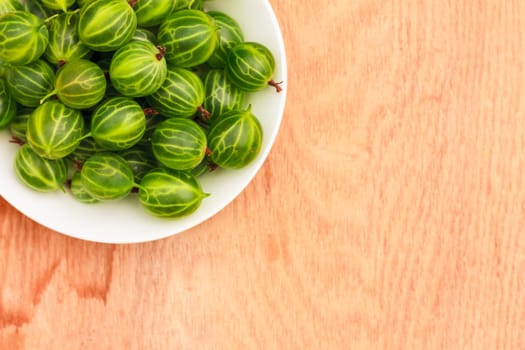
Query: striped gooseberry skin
x=138 y=69
x=38 y=173
x=188 y=4
x=140 y=160
x=179 y=143
x=18 y=126
x=235 y=139
x=23 y=37
x=170 y=193
x=10 y=6
x=142 y=34
x=78 y=190
x=36 y=8
x=61 y=5
x=189 y=36
x=221 y=95
x=30 y=83
x=230 y=34
x=180 y=95
x=107 y=176
x=54 y=130
x=82 y=3
x=250 y=66
x=7 y=106
x=152 y=12
x=64 y=42
x=87 y=147
x=80 y=84
x=3 y=69
x=106 y=25
x=118 y=123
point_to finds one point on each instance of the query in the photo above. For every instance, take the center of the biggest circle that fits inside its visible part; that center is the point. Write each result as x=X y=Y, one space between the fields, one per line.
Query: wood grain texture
x=389 y=215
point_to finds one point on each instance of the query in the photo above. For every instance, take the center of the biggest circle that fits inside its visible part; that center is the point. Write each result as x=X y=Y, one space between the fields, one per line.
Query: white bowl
x=126 y=221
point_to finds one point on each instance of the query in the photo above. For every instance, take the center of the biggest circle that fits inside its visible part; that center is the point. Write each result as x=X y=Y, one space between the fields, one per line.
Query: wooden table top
x=389 y=214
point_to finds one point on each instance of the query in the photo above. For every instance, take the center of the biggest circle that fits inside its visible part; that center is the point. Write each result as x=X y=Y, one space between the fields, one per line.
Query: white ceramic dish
x=126 y=221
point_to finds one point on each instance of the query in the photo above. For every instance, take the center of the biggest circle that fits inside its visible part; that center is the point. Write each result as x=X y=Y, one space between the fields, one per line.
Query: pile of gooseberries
x=112 y=98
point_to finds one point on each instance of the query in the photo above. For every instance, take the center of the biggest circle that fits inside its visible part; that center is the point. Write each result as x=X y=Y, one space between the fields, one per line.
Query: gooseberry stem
x=132 y=3
x=277 y=86
x=137 y=187
x=204 y=113
x=50 y=18
x=208 y=151
x=162 y=52
x=17 y=140
x=71 y=13
x=52 y=93
x=60 y=63
x=150 y=111
x=213 y=167
x=85 y=136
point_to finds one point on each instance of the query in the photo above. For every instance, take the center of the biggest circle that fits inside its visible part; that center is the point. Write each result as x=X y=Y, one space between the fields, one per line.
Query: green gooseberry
x=38 y=173
x=64 y=42
x=189 y=36
x=235 y=139
x=170 y=193
x=23 y=37
x=251 y=66
x=54 y=130
x=138 y=69
x=28 y=84
x=118 y=123
x=107 y=176
x=179 y=143
x=79 y=84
